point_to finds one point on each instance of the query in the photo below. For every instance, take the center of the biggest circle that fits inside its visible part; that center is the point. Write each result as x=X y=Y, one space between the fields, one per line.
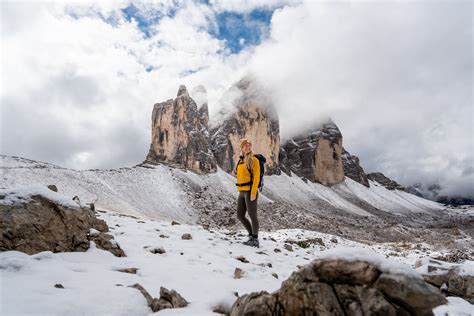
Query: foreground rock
x=339 y=287
x=450 y=280
x=37 y=219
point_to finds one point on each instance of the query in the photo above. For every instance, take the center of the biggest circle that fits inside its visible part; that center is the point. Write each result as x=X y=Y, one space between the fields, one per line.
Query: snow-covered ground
x=139 y=203
x=161 y=192
x=200 y=269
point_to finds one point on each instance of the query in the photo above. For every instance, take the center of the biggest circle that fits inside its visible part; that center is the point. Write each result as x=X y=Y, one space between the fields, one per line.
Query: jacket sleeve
x=256 y=176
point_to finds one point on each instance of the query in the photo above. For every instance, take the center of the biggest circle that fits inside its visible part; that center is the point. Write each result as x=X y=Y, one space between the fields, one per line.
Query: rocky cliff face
x=180 y=135
x=315 y=155
x=252 y=116
x=385 y=181
x=353 y=169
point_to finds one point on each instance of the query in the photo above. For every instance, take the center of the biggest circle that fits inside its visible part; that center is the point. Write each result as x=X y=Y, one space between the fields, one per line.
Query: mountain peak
x=182 y=91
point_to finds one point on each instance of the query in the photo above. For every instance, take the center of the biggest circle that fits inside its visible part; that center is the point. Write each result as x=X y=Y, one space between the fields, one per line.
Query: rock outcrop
x=251 y=115
x=385 y=181
x=450 y=280
x=180 y=135
x=339 y=287
x=40 y=223
x=353 y=169
x=315 y=155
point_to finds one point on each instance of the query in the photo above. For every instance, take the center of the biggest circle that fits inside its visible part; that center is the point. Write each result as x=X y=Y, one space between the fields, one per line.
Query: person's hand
x=253 y=197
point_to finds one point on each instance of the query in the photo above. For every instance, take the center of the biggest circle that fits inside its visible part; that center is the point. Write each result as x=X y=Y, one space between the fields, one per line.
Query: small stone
x=275 y=275
x=164 y=236
x=242 y=259
x=128 y=270
x=220 y=310
x=237 y=273
x=175 y=223
x=59 y=286
x=52 y=187
x=156 y=250
x=276 y=250
x=186 y=236
x=288 y=247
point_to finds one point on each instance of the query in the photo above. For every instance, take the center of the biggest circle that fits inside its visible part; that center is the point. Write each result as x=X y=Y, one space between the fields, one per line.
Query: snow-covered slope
x=161 y=192
x=200 y=269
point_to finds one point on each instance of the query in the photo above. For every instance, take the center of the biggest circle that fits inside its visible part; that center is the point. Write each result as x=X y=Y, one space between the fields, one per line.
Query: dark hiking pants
x=244 y=205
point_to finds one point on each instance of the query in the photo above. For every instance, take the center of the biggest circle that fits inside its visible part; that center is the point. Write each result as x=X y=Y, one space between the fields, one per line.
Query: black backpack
x=261 y=158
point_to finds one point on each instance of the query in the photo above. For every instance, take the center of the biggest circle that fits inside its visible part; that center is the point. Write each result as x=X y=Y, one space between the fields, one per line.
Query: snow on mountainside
x=161 y=192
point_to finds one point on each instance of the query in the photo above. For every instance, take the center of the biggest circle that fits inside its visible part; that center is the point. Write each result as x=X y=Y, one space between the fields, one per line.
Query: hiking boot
x=248 y=242
x=255 y=243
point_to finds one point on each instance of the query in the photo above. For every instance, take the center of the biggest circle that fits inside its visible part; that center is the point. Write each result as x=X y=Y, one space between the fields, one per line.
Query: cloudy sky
x=79 y=79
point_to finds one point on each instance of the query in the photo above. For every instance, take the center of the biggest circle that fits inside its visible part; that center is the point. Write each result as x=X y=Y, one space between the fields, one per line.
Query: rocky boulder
x=36 y=219
x=179 y=134
x=250 y=114
x=450 y=279
x=342 y=287
x=353 y=169
x=316 y=154
x=385 y=181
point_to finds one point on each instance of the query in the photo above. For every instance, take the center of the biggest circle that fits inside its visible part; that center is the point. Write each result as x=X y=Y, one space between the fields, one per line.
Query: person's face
x=246 y=148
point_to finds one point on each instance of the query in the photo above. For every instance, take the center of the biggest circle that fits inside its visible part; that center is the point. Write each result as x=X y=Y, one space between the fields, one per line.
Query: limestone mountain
x=316 y=154
x=179 y=134
x=353 y=169
x=183 y=136
x=251 y=115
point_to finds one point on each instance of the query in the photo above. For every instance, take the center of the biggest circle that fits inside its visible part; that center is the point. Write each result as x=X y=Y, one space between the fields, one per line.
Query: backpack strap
x=251 y=175
x=238 y=163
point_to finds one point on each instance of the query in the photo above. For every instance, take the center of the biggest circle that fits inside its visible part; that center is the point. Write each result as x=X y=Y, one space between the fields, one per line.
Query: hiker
x=248 y=177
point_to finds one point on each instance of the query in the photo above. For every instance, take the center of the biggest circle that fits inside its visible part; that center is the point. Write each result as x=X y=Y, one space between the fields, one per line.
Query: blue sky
x=238 y=30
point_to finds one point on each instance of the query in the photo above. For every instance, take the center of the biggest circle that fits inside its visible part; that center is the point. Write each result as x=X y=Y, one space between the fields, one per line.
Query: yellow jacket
x=244 y=176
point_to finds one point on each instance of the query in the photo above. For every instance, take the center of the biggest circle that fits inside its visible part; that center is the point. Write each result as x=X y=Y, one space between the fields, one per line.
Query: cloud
x=79 y=84
x=395 y=76
x=79 y=81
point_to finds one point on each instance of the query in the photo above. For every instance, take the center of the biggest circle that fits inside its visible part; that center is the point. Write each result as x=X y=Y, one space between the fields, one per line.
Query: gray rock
x=456 y=284
x=339 y=287
x=186 y=236
x=168 y=298
x=41 y=224
x=353 y=169
x=52 y=187
x=385 y=181
x=411 y=293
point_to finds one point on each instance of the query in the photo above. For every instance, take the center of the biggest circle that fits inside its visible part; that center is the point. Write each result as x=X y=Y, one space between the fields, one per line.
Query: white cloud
x=395 y=76
x=76 y=91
